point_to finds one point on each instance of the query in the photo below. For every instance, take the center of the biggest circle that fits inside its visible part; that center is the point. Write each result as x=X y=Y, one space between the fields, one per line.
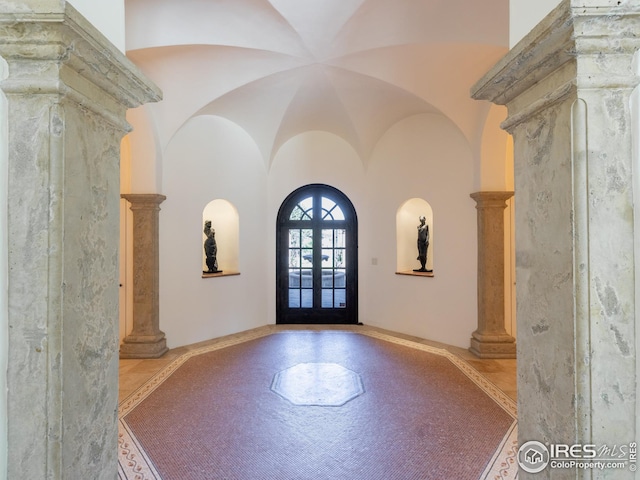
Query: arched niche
x=226 y=223
x=407 y=221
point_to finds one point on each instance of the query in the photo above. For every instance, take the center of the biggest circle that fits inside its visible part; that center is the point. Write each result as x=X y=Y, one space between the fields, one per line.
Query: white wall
x=107 y=16
x=526 y=14
x=211 y=158
x=424 y=156
x=145 y=164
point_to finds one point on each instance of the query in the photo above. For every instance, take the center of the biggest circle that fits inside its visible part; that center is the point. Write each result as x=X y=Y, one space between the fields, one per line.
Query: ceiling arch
x=349 y=67
x=354 y=106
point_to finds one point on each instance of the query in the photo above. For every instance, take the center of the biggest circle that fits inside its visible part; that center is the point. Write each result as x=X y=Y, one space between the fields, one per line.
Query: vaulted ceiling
x=354 y=68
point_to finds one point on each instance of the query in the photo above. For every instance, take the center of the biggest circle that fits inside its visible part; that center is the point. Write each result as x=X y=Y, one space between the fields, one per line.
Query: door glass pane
x=294 y=298
x=340 y=298
x=331 y=211
x=327 y=257
x=303 y=210
x=339 y=237
x=306 y=238
x=307 y=205
x=327 y=237
x=340 y=277
x=294 y=258
x=306 y=278
x=327 y=278
x=307 y=257
x=307 y=298
x=294 y=278
x=340 y=258
x=294 y=237
x=327 y=298
x=296 y=214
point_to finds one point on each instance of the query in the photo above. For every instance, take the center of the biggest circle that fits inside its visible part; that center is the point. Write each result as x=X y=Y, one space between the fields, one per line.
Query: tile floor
x=135 y=372
x=297 y=415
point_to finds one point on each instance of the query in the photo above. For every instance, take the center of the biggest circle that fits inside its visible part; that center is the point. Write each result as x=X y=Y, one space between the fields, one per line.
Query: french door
x=317 y=258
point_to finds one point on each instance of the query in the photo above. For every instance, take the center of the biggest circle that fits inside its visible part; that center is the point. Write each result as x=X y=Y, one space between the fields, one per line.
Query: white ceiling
x=351 y=67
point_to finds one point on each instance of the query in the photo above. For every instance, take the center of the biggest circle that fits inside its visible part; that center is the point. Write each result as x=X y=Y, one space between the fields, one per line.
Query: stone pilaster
x=569 y=87
x=491 y=340
x=67 y=91
x=146 y=340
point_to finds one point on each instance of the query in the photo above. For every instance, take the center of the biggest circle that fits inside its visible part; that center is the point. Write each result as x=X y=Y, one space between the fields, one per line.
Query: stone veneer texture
x=568 y=87
x=67 y=92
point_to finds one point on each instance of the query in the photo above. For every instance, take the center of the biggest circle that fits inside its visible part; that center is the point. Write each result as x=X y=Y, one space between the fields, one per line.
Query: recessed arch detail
x=407 y=223
x=225 y=221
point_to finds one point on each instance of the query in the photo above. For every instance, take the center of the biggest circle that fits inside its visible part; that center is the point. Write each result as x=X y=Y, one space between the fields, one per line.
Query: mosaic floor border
x=134 y=464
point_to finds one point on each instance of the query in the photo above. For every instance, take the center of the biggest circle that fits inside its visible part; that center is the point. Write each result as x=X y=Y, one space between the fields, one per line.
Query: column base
x=144 y=346
x=495 y=346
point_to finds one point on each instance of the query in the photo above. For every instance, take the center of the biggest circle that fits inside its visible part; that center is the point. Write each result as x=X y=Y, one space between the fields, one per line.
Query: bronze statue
x=211 y=248
x=423 y=245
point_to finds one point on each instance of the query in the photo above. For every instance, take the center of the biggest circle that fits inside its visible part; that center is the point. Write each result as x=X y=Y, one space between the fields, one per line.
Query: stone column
x=67 y=91
x=146 y=340
x=491 y=340
x=569 y=87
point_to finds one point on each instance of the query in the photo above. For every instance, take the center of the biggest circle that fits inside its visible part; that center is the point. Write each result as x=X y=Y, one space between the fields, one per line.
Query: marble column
x=67 y=91
x=569 y=87
x=145 y=340
x=491 y=340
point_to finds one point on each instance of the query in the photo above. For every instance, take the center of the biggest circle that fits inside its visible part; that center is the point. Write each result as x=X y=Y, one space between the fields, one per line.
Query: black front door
x=317 y=257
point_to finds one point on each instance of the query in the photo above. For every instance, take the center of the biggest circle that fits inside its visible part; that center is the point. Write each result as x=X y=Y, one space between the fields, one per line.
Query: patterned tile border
x=133 y=463
x=489 y=388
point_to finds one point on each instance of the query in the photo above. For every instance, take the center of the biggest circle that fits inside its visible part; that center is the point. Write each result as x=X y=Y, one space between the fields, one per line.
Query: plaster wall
x=424 y=156
x=211 y=158
x=145 y=164
x=107 y=16
x=526 y=14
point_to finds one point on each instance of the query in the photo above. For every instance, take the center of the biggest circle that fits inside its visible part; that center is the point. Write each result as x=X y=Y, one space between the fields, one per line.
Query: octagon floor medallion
x=318 y=405
x=320 y=384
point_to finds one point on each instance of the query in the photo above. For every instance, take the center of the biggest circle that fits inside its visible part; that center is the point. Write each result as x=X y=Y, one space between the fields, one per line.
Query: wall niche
x=407 y=222
x=225 y=221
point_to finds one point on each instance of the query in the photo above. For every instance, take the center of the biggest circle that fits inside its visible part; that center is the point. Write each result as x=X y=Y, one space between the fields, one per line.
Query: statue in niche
x=211 y=248
x=423 y=245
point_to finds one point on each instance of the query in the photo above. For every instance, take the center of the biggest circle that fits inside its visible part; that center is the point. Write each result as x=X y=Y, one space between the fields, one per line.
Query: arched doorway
x=317 y=257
